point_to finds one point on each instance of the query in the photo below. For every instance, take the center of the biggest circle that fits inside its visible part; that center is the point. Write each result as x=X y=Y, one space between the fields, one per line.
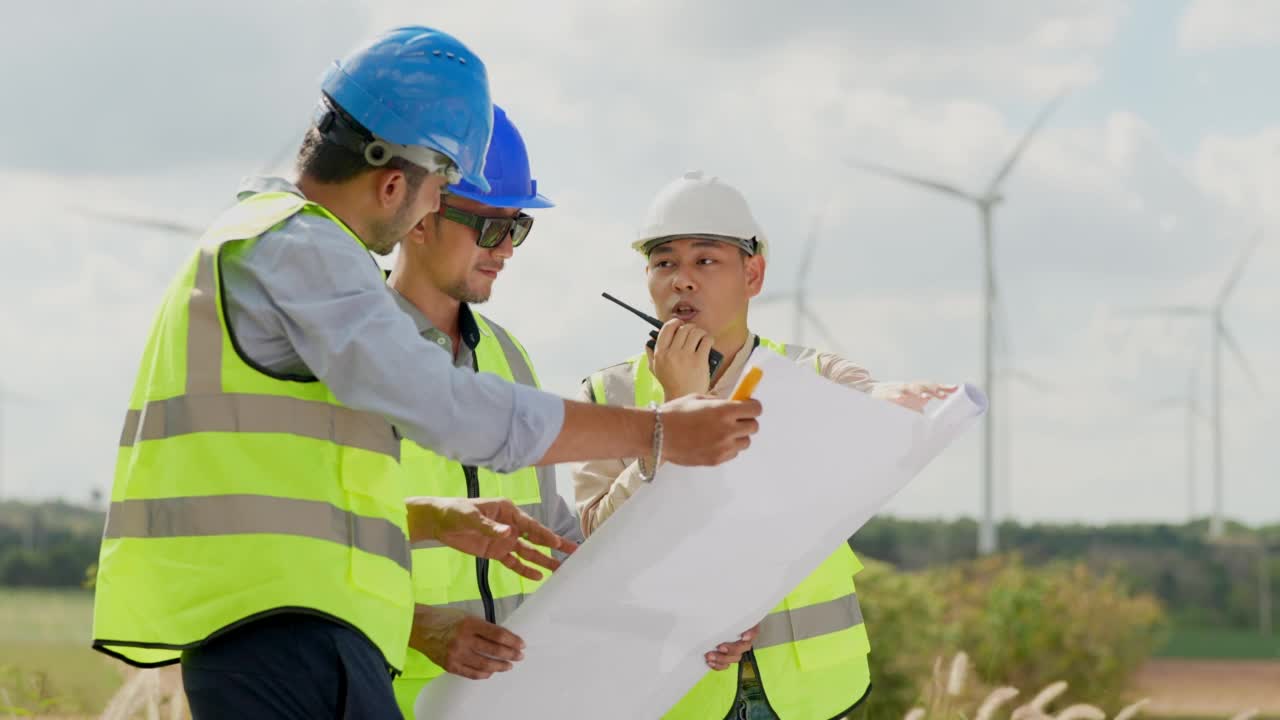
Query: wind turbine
x=1189 y=403
x=1221 y=336
x=985 y=203
x=799 y=295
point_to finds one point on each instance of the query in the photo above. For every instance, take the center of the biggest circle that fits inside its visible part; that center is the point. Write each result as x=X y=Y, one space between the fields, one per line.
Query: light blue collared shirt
x=308 y=301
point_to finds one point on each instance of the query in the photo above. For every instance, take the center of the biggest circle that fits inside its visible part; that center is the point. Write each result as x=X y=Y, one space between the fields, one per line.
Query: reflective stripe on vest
x=256 y=514
x=446 y=578
x=243 y=494
x=811 y=653
x=802 y=623
x=207 y=408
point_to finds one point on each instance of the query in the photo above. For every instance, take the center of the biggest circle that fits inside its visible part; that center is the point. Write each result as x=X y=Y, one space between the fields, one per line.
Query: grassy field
x=1214 y=643
x=45 y=661
x=46 y=665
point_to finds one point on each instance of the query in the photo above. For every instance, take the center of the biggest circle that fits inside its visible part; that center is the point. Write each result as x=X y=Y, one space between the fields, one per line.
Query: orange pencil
x=748 y=384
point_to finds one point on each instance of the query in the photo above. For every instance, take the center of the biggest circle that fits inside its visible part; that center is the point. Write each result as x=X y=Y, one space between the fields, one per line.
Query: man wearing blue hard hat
x=258 y=530
x=449 y=263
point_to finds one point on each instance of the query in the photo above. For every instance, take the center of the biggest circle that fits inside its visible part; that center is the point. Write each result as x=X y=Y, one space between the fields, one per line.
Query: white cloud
x=1221 y=24
x=1243 y=172
x=1099 y=215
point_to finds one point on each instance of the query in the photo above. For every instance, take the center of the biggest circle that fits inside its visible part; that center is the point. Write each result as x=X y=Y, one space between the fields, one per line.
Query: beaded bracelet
x=657 y=445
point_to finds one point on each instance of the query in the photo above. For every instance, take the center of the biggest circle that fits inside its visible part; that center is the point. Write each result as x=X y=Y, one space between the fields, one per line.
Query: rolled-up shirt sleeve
x=328 y=297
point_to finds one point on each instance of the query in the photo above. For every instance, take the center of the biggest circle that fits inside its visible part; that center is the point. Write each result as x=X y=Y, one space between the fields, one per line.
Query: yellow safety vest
x=237 y=494
x=443 y=576
x=811 y=653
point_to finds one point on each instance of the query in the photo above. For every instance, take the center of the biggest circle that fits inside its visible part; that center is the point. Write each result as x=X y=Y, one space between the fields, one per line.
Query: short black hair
x=325 y=161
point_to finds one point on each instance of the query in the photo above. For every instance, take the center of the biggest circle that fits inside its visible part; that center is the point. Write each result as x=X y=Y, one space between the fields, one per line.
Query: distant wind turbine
x=798 y=296
x=1221 y=336
x=1190 y=404
x=985 y=203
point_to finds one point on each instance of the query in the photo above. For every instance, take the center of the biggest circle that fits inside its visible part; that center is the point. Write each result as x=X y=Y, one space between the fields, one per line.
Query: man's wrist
x=654 y=454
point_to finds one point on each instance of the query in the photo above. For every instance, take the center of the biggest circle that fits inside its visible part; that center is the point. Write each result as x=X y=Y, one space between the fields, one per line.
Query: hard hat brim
x=518 y=202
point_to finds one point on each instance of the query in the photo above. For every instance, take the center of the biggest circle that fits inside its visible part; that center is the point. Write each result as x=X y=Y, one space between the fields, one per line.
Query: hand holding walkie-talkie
x=713 y=357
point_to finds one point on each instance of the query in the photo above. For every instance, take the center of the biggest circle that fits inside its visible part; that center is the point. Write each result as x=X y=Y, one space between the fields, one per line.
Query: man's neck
x=729 y=344
x=440 y=308
x=336 y=200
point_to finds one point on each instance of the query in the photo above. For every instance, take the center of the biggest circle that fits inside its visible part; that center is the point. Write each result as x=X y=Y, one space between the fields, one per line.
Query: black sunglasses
x=492 y=231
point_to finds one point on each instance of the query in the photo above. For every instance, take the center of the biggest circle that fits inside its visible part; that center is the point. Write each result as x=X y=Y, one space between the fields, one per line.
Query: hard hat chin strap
x=339 y=127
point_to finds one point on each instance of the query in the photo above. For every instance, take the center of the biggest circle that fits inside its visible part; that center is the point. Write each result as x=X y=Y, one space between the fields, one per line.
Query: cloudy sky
x=1142 y=190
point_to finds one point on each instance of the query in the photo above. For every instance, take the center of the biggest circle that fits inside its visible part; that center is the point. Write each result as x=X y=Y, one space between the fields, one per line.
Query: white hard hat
x=698 y=205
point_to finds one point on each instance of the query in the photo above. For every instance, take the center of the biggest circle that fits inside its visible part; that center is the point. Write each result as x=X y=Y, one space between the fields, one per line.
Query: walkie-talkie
x=713 y=358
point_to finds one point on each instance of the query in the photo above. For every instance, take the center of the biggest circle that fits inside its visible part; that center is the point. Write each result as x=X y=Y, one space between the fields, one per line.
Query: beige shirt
x=602 y=486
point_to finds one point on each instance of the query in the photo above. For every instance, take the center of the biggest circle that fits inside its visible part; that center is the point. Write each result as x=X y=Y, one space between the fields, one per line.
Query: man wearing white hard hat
x=706 y=259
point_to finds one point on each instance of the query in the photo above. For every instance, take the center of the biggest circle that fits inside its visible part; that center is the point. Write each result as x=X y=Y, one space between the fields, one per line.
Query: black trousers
x=289 y=666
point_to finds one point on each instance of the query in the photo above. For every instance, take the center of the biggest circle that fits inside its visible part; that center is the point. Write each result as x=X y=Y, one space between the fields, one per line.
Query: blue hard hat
x=506 y=168
x=419 y=87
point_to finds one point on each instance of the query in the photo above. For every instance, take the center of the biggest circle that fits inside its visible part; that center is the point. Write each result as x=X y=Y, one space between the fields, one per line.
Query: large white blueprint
x=701 y=554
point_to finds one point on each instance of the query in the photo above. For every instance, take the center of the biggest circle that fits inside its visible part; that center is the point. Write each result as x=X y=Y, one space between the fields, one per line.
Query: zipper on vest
x=482 y=565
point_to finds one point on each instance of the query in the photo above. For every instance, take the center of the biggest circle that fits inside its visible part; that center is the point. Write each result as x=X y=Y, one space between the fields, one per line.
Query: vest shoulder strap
x=254 y=216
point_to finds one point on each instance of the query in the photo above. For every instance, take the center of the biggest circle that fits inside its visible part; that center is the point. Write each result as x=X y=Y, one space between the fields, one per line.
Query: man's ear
x=418 y=233
x=391 y=186
x=754 y=266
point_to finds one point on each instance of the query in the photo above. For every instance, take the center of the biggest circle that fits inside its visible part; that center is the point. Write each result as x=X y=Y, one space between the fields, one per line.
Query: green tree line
x=1197 y=582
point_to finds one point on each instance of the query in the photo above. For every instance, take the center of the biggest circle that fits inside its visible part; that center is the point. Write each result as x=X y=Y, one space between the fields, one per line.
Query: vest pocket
x=376 y=525
x=442 y=574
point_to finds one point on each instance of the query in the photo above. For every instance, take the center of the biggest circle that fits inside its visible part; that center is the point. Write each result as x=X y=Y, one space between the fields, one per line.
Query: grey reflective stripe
x=788 y=626
x=205 y=408
x=204 y=332
x=546 y=492
x=533 y=510
x=222 y=515
x=619 y=383
x=520 y=370
x=502 y=607
x=247 y=413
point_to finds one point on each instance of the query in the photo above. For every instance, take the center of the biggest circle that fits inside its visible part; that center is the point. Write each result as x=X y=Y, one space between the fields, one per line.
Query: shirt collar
x=256 y=184
x=729 y=379
x=467 y=326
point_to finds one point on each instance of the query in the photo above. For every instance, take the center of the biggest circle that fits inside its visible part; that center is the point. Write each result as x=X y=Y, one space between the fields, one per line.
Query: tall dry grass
x=951 y=695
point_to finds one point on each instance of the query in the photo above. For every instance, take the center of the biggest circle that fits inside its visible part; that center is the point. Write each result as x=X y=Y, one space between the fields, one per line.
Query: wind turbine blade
x=1024 y=142
x=935 y=185
x=823 y=330
x=814 y=231
x=1234 y=347
x=1234 y=277
x=153 y=223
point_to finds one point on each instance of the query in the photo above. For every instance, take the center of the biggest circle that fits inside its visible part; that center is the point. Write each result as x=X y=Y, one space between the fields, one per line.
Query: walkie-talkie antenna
x=714 y=357
x=648 y=318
